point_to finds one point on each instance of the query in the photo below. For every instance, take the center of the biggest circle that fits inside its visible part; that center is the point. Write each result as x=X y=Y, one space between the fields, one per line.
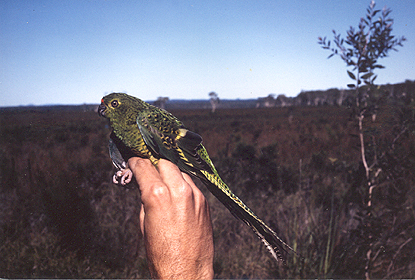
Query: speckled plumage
x=140 y=129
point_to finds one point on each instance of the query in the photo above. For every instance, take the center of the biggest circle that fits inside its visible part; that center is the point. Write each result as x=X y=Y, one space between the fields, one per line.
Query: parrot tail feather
x=274 y=244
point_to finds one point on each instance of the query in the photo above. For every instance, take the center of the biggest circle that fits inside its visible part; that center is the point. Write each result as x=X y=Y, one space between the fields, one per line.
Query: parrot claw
x=123 y=177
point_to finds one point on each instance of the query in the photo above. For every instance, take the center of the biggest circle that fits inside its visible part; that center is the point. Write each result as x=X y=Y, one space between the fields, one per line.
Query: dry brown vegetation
x=298 y=168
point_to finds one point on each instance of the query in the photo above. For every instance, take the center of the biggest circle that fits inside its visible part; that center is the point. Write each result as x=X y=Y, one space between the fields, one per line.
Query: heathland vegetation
x=299 y=168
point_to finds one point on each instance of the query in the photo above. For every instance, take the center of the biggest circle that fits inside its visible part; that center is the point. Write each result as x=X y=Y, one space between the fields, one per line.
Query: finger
x=169 y=173
x=180 y=189
x=189 y=180
x=144 y=171
x=197 y=194
x=155 y=193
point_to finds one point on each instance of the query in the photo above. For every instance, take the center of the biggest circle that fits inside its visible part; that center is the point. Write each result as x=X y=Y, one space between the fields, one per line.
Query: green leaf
x=367 y=76
x=351 y=85
x=351 y=75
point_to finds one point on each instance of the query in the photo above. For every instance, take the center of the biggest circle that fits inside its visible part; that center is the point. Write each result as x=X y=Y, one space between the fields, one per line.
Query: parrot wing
x=119 y=152
x=115 y=155
x=166 y=137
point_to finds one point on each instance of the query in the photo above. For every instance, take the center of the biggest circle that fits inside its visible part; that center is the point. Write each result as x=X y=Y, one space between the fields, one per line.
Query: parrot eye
x=114 y=103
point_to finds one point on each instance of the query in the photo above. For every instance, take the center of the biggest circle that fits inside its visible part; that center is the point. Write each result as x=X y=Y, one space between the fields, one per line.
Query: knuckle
x=183 y=191
x=155 y=194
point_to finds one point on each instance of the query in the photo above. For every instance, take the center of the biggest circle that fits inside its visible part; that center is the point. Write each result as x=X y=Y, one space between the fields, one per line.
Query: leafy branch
x=361 y=50
x=363 y=46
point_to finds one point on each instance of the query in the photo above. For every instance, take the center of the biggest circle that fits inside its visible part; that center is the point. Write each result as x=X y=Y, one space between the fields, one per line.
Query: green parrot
x=143 y=130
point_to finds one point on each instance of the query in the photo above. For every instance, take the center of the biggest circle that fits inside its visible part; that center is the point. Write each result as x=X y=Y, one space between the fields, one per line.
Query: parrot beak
x=101 y=109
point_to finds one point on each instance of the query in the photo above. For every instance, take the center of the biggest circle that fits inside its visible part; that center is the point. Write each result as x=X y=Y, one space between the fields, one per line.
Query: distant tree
x=283 y=100
x=214 y=100
x=368 y=43
x=270 y=100
x=161 y=102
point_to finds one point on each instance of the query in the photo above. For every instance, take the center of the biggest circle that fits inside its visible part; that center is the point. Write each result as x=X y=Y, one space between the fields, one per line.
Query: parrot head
x=120 y=106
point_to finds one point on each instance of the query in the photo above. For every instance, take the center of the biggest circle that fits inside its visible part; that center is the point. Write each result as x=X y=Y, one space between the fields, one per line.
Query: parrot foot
x=123 y=176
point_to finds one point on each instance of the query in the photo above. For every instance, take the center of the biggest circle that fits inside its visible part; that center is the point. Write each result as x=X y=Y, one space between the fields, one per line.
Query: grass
x=61 y=217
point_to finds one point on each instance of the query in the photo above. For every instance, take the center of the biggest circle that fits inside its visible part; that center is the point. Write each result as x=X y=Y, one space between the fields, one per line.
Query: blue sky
x=74 y=52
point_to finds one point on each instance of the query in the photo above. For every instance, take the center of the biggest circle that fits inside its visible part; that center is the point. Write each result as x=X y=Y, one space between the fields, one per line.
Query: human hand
x=175 y=221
